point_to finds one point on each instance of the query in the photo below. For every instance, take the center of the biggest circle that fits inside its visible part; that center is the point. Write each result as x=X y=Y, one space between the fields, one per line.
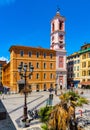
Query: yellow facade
x=44 y=62
x=85 y=64
x=78 y=66
x=2 y=63
x=6 y=75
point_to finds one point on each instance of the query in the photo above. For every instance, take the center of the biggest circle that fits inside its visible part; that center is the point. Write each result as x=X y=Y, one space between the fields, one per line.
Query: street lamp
x=23 y=73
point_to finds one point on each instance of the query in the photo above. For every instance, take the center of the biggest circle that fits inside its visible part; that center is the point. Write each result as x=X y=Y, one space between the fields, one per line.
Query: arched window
x=53 y=27
x=60 y=25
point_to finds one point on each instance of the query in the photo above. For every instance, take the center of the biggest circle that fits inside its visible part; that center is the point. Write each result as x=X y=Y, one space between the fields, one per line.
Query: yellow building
x=85 y=64
x=78 y=67
x=2 y=63
x=44 y=62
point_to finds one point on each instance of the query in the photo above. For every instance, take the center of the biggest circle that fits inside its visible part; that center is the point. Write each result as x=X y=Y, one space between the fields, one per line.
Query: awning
x=76 y=81
x=85 y=83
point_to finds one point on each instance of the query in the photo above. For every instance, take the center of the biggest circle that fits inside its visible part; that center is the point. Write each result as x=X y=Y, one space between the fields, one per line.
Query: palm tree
x=61 y=114
x=44 y=113
x=73 y=100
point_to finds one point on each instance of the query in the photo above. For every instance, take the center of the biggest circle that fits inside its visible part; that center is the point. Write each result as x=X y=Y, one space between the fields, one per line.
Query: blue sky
x=27 y=22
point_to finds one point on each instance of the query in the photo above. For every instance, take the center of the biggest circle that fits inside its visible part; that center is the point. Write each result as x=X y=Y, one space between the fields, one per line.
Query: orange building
x=44 y=62
x=2 y=63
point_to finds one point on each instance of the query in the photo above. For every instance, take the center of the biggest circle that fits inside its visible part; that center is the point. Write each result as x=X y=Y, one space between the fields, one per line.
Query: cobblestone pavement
x=14 y=105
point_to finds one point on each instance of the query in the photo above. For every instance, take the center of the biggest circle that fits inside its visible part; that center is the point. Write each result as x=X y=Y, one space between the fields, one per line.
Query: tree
x=63 y=115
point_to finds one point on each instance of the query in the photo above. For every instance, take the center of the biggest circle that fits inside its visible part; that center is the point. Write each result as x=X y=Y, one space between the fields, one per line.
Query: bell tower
x=58 y=44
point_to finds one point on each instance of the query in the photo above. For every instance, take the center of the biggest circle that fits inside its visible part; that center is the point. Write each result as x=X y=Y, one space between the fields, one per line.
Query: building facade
x=85 y=65
x=44 y=62
x=78 y=67
x=2 y=63
x=73 y=69
x=58 y=44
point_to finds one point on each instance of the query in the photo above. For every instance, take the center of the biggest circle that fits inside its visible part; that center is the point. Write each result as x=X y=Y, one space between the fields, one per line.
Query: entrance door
x=21 y=86
x=61 y=81
x=37 y=88
x=45 y=88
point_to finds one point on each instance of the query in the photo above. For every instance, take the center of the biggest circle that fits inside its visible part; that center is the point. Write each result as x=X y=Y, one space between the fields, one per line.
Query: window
x=84 y=73
x=88 y=63
x=44 y=55
x=74 y=68
x=37 y=76
x=60 y=25
x=88 y=55
x=83 y=80
x=37 y=54
x=61 y=47
x=44 y=65
x=37 y=65
x=51 y=76
x=60 y=42
x=77 y=74
x=53 y=27
x=30 y=64
x=61 y=37
x=61 y=61
x=83 y=64
x=51 y=85
x=75 y=62
x=45 y=87
x=51 y=65
x=37 y=87
x=78 y=61
x=29 y=53
x=30 y=87
x=77 y=68
x=44 y=75
x=52 y=38
x=30 y=76
x=88 y=72
x=51 y=55
x=74 y=75
x=21 y=53
x=84 y=56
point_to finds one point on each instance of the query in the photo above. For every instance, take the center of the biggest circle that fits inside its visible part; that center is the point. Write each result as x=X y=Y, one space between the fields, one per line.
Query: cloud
x=4 y=59
x=6 y=2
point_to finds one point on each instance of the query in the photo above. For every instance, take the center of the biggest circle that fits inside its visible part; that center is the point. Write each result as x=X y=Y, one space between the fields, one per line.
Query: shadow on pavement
x=6 y=122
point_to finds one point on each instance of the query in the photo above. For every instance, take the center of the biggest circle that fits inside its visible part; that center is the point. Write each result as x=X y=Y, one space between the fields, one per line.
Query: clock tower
x=58 y=44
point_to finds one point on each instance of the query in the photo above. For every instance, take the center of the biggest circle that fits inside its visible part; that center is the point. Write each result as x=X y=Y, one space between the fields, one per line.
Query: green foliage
x=44 y=127
x=44 y=113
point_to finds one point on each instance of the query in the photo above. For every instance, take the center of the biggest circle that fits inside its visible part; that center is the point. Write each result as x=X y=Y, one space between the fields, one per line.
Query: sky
x=27 y=22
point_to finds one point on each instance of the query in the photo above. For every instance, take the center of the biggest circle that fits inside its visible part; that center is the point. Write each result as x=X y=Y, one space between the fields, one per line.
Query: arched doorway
x=37 y=88
x=44 y=87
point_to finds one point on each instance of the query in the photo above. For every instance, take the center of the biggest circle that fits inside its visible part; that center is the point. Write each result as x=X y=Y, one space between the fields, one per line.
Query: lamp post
x=23 y=73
